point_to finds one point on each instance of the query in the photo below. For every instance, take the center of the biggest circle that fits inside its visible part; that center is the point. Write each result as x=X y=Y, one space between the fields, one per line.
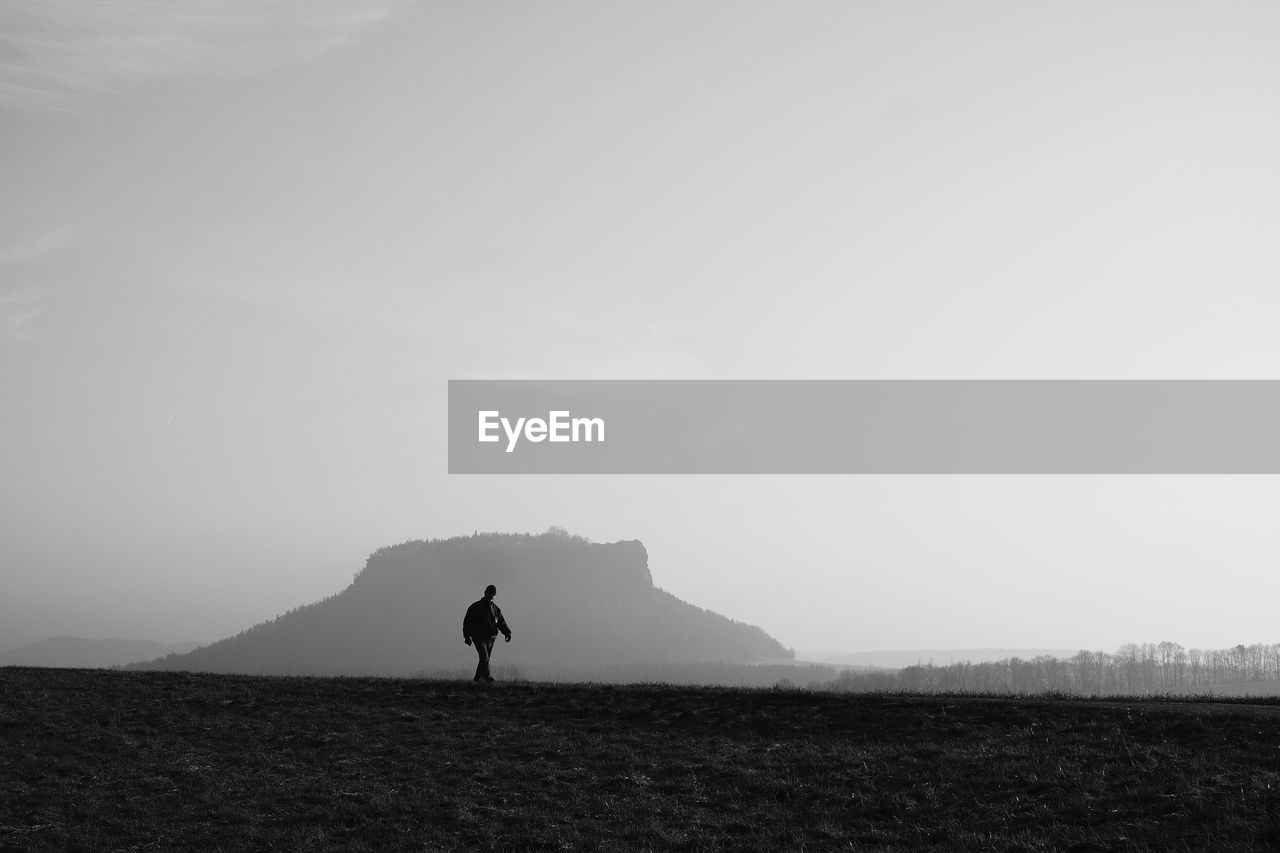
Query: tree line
x=1145 y=668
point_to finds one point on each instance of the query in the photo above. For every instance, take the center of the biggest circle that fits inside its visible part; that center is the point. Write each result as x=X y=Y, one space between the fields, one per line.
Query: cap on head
x=490 y=591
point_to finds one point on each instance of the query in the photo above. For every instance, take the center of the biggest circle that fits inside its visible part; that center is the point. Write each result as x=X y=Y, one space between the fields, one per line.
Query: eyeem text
x=558 y=426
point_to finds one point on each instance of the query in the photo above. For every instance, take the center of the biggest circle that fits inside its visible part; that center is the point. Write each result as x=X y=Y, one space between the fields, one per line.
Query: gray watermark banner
x=864 y=427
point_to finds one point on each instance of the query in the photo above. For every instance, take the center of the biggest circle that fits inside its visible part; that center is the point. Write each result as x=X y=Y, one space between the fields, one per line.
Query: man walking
x=481 y=626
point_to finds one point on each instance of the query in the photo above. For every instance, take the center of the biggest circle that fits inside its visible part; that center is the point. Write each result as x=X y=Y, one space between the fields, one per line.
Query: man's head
x=490 y=591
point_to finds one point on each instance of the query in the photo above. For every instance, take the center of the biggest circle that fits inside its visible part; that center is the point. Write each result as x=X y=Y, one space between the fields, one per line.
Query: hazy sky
x=245 y=243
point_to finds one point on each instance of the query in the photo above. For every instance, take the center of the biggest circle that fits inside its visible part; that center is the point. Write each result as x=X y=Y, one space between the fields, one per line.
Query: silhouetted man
x=481 y=626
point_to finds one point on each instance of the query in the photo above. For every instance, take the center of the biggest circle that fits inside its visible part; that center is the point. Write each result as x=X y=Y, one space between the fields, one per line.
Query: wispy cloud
x=55 y=52
x=19 y=317
x=21 y=304
x=517 y=336
x=33 y=247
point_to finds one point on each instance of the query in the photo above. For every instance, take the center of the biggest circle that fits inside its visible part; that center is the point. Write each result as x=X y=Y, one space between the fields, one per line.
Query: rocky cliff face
x=546 y=561
x=570 y=603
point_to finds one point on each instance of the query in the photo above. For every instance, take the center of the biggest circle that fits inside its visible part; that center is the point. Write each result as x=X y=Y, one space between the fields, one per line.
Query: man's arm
x=502 y=624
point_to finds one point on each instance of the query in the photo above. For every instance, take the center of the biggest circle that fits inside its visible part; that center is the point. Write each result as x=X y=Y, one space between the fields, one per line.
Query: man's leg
x=484 y=648
x=488 y=656
x=492 y=642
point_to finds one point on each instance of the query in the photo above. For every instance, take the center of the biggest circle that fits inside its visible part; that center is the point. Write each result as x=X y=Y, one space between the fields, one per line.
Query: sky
x=244 y=246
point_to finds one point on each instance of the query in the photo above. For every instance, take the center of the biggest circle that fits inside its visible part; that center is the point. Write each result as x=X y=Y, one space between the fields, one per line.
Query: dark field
x=101 y=760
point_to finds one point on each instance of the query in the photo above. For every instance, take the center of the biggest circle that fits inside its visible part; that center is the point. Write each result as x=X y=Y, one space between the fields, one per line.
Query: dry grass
x=93 y=760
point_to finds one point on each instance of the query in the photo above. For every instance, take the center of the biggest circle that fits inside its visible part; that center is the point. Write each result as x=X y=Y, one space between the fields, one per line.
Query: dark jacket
x=484 y=621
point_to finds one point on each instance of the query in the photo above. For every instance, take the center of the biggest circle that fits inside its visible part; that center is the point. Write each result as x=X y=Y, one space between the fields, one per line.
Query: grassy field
x=102 y=760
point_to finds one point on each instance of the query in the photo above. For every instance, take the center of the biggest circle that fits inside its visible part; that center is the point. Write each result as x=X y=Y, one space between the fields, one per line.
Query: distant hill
x=78 y=652
x=570 y=603
x=939 y=657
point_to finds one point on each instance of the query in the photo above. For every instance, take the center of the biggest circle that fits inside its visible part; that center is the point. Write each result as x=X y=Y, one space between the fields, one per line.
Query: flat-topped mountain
x=571 y=603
